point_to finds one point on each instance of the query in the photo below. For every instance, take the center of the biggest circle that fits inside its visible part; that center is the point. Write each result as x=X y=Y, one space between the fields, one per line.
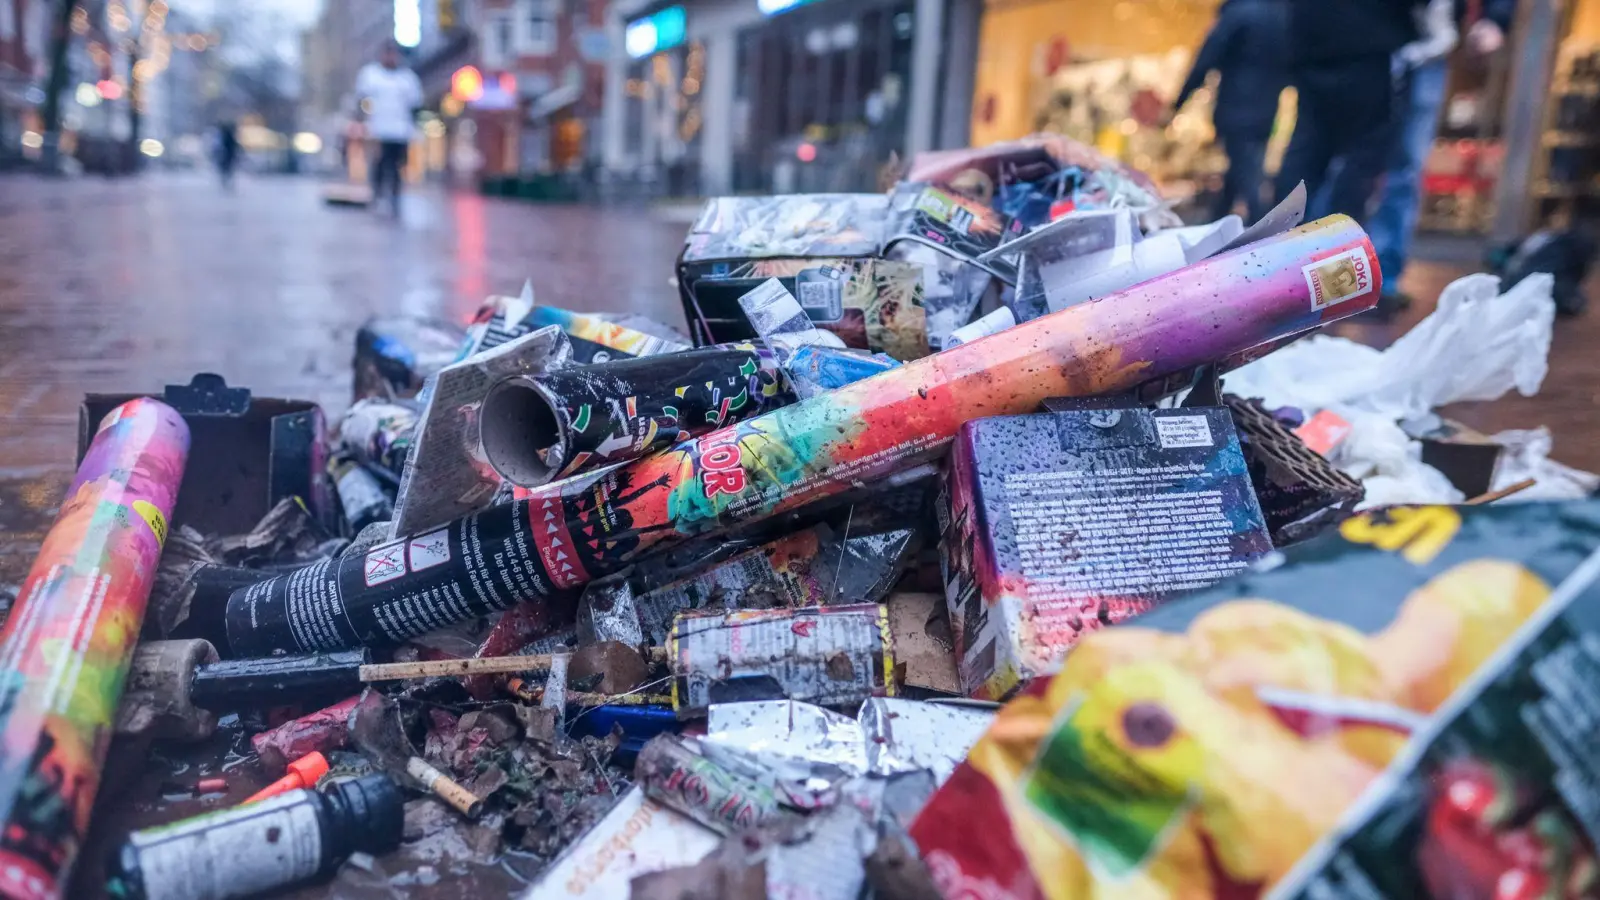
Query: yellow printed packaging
x=1201 y=750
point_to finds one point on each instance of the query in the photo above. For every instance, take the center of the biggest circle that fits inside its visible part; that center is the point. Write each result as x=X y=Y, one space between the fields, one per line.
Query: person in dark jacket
x=227 y=151
x=1249 y=46
x=1344 y=72
x=1482 y=26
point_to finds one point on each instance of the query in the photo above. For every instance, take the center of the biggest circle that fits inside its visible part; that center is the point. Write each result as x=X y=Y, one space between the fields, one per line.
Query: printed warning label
x=1339 y=278
x=385 y=564
x=429 y=550
x=1183 y=431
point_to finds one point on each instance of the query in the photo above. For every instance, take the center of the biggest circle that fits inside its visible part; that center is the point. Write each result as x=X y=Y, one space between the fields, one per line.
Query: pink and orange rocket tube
x=572 y=531
x=65 y=649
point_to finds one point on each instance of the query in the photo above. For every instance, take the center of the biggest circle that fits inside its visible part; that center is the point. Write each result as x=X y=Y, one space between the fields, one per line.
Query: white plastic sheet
x=1479 y=344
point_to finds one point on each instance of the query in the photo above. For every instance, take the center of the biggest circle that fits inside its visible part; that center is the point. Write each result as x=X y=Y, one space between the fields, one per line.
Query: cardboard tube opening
x=519 y=422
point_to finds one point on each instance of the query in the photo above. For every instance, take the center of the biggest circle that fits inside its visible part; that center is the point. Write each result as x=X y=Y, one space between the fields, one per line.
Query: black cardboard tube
x=539 y=428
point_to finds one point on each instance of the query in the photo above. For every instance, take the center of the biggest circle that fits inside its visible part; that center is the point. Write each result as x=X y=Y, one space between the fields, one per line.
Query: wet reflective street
x=132 y=284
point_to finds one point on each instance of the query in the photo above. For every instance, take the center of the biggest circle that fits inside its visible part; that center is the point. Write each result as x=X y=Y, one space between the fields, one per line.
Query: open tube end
x=521 y=433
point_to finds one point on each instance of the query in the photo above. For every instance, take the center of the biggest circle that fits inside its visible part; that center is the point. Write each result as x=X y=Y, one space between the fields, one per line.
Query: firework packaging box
x=1058 y=524
x=540 y=427
x=250 y=453
x=67 y=644
x=1393 y=710
x=448 y=474
x=833 y=655
x=865 y=434
x=825 y=248
x=869 y=304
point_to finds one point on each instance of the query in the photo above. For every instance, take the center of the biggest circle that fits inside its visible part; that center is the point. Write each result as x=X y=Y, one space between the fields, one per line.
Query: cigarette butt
x=444 y=787
x=211 y=786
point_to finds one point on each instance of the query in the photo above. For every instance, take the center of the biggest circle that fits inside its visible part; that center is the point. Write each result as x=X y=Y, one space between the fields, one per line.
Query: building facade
x=545 y=64
x=24 y=38
x=712 y=96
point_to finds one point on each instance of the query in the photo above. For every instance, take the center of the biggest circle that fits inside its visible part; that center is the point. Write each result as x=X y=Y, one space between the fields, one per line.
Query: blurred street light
x=308 y=143
x=151 y=147
x=87 y=96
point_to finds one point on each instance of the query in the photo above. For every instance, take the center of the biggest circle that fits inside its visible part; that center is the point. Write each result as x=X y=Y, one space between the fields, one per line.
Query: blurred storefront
x=1519 y=134
x=1565 y=173
x=711 y=96
x=1103 y=73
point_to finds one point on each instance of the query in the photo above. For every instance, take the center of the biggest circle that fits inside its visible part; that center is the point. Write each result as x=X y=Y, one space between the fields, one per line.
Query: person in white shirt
x=390 y=95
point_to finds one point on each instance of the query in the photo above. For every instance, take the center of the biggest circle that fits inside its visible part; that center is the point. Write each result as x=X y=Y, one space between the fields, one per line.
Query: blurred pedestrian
x=227 y=151
x=1249 y=47
x=1394 y=222
x=1349 y=82
x=390 y=95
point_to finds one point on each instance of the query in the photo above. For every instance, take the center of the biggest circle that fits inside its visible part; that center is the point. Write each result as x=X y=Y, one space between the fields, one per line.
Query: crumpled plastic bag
x=1379 y=454
x=1527 y=455
x=1477 y=345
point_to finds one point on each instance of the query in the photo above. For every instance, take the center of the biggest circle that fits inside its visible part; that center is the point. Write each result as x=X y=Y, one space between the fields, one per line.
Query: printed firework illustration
x=66 y=645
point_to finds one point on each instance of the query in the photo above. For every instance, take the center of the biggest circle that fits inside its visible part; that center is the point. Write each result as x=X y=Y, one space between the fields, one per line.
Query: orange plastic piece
x=303 y=773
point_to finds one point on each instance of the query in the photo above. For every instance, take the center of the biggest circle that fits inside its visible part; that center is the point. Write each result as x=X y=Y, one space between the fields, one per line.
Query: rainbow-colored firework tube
x=572 y=531
x=65 y=649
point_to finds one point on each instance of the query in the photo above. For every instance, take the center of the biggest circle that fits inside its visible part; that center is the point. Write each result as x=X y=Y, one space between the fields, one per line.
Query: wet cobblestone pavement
x=126 y=286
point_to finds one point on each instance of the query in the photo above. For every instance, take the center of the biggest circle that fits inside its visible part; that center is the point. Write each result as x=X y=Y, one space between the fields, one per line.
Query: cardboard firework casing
x=541 y=427
x=1058 y=524
x=67 y=644
x=568 y=533
x=825 y=655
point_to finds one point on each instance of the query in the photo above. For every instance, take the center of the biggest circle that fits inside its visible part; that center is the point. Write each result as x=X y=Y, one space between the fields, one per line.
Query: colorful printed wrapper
x=541 y=427
x=68 y=641
x=1235 y=743
x=594 y=340
x=570 y=532
x=681 y=779
x=1059 y=524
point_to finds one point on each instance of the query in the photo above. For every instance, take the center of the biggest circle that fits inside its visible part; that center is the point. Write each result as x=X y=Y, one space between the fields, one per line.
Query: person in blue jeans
x=1394 y=222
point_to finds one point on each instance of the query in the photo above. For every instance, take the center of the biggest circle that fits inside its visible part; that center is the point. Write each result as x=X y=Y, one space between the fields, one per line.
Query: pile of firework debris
x=831 y=596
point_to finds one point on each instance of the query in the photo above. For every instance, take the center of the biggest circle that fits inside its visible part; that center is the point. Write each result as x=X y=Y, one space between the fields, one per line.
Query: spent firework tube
x=561 y=536
x=67 y=644
x=538 y=428
x=682 y=780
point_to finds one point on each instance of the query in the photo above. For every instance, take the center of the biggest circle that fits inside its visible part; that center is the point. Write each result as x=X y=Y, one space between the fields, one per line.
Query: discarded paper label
x=1336 y=279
